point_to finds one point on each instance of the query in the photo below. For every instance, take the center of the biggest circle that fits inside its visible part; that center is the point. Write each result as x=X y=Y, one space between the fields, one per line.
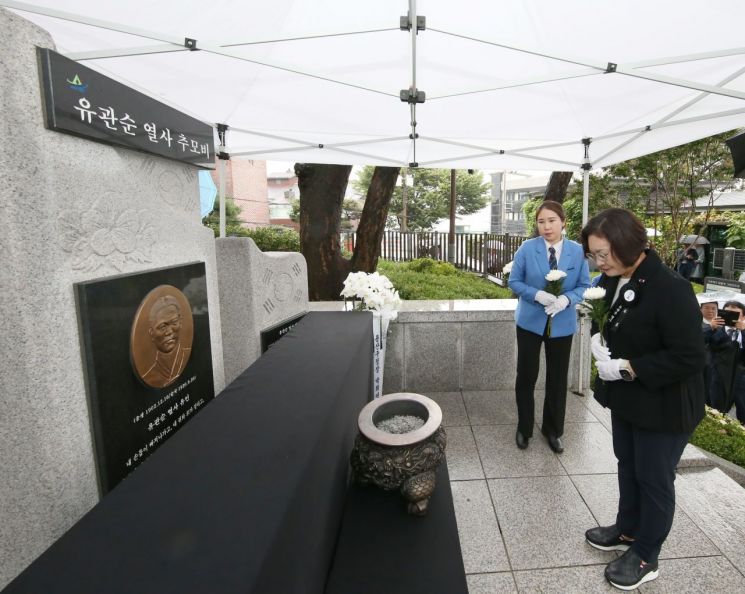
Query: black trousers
x=646 y=484
x=557 y=368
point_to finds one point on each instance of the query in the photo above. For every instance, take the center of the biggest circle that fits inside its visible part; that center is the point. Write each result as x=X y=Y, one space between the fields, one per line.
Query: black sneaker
x=607 y=538
x=628 y=572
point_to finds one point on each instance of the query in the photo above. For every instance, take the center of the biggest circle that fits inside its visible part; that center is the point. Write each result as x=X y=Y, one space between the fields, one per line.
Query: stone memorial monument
x=73 y=210
x=257 y=291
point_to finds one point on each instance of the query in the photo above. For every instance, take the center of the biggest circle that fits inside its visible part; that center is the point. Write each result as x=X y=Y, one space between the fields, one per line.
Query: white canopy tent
x=515 y=84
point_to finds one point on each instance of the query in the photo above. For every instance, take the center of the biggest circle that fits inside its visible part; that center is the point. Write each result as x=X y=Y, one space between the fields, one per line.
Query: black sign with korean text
x=273 y=334
x=712 y=283
x=148 y=361
x=81 y=101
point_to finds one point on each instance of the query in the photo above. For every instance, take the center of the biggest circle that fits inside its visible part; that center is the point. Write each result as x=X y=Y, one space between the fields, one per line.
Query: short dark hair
x=623 y=230
x=552 y=206
x=736 y=304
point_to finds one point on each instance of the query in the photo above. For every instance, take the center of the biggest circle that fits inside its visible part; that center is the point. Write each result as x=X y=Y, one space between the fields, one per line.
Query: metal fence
x=483 y=253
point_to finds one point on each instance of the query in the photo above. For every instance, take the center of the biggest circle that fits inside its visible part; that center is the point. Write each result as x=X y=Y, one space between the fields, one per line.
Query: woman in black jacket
x=650 y=365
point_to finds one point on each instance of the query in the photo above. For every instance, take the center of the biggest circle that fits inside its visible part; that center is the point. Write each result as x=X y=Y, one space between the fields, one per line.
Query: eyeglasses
x=598 y=257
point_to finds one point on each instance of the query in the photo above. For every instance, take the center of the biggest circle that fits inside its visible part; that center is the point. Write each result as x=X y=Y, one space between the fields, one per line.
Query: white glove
x=561 y=303
x=599 y=351
x=609 y=370
x=545 y=298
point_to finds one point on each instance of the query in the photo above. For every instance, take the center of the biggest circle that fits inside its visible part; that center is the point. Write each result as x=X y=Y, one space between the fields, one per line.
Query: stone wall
x=72 y=210
x=446 y=346
x=444 y=351
x=257 y=291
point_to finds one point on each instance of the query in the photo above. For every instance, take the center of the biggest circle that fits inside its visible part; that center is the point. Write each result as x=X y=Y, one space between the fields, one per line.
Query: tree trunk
x=373 y=219
x=557 y=186
x=322 y=189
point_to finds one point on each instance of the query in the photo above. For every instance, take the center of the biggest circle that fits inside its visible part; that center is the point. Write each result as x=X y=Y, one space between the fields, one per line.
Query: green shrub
x=443 y=284
x=273 y=239
x=721 y=435
x=431 y=266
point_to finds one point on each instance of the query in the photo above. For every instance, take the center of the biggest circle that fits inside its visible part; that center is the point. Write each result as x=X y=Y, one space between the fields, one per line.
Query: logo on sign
x=76 y=84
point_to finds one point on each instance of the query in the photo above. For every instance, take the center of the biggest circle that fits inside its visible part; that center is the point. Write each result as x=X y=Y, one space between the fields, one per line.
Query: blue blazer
x=528 y=276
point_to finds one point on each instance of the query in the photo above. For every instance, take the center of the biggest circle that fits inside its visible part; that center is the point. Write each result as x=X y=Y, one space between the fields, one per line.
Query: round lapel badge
x=629 y=295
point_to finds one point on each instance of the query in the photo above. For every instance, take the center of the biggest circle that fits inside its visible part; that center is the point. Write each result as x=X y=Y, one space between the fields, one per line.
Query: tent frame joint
x=190 y=44
x=404 y=23
x=611 y=67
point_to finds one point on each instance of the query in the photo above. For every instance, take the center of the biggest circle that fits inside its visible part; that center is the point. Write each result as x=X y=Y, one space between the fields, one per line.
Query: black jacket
x=660 y=334
x=725 y=359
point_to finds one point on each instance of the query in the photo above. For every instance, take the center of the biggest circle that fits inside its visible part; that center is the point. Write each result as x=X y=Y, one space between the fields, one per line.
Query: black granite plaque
x=712 y=283
x=84 y=102
x=146 y=344
x=273 y=334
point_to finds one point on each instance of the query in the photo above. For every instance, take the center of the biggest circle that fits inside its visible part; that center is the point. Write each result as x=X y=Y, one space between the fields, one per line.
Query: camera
x=730 y=317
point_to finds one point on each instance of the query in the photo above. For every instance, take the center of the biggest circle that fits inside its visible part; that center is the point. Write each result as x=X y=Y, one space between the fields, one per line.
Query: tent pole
x=585 y=196
x=221 y=173
x=585 y=212
x=222 y=130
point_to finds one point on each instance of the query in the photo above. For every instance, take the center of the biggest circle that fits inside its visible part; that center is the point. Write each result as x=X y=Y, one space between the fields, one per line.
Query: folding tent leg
x=221 y=175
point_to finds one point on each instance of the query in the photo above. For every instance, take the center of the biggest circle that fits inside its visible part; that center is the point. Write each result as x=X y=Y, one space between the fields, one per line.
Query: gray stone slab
x=576 y=411
x=462 y=455
x=588 y=449
x=491 y=583
x=543 y=521
x=716 y=504
x=600 y=493
x=601 y=413
x=501 y=458
x=694 y=457
x=496 y=407
x=505 y=358
x=482 y=356
x=453 y=408
x=694 y=576
x=257 y=291
x=433 y=352
x=393 y=370
x=564 y=580
x=480 y=540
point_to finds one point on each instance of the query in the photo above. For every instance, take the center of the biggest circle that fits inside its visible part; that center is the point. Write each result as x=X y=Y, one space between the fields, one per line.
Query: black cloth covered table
x=384 y=549
x=247 y=497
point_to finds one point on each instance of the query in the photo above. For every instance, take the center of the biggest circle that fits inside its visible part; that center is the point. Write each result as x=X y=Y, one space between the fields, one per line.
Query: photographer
x=724 y=339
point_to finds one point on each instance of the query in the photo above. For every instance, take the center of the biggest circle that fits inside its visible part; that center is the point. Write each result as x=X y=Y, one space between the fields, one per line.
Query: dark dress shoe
x=521 y=440
x=555 y=444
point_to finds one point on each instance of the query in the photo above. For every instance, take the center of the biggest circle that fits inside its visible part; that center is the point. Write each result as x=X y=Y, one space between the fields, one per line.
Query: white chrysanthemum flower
x=375 y=290
x=555 y=275
x=507 y=268
x=593 y=293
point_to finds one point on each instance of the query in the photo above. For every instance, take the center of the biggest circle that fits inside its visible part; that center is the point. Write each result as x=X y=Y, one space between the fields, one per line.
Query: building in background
x=282 y=191
x=510 y=191
x=246 y=183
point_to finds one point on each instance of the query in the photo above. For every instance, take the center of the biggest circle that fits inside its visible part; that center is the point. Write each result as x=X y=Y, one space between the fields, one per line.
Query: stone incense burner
x=404 y=461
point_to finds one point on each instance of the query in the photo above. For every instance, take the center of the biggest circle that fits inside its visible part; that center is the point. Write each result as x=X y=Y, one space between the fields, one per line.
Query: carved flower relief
x=107 y=234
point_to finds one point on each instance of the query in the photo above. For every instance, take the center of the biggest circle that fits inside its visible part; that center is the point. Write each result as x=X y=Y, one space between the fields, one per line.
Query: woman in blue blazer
x=532 y=262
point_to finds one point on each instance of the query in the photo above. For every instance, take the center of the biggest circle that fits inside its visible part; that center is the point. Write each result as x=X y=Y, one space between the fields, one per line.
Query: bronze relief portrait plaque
x=148 y=361
x=162 y=335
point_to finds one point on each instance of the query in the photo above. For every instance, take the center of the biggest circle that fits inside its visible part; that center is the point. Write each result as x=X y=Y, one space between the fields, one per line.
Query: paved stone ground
x=522 y=513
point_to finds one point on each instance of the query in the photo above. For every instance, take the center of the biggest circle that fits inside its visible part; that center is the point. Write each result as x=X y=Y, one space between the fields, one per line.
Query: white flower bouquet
x=593 y=304
x=372 y=291
x=554 y=283
x=506 y=269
